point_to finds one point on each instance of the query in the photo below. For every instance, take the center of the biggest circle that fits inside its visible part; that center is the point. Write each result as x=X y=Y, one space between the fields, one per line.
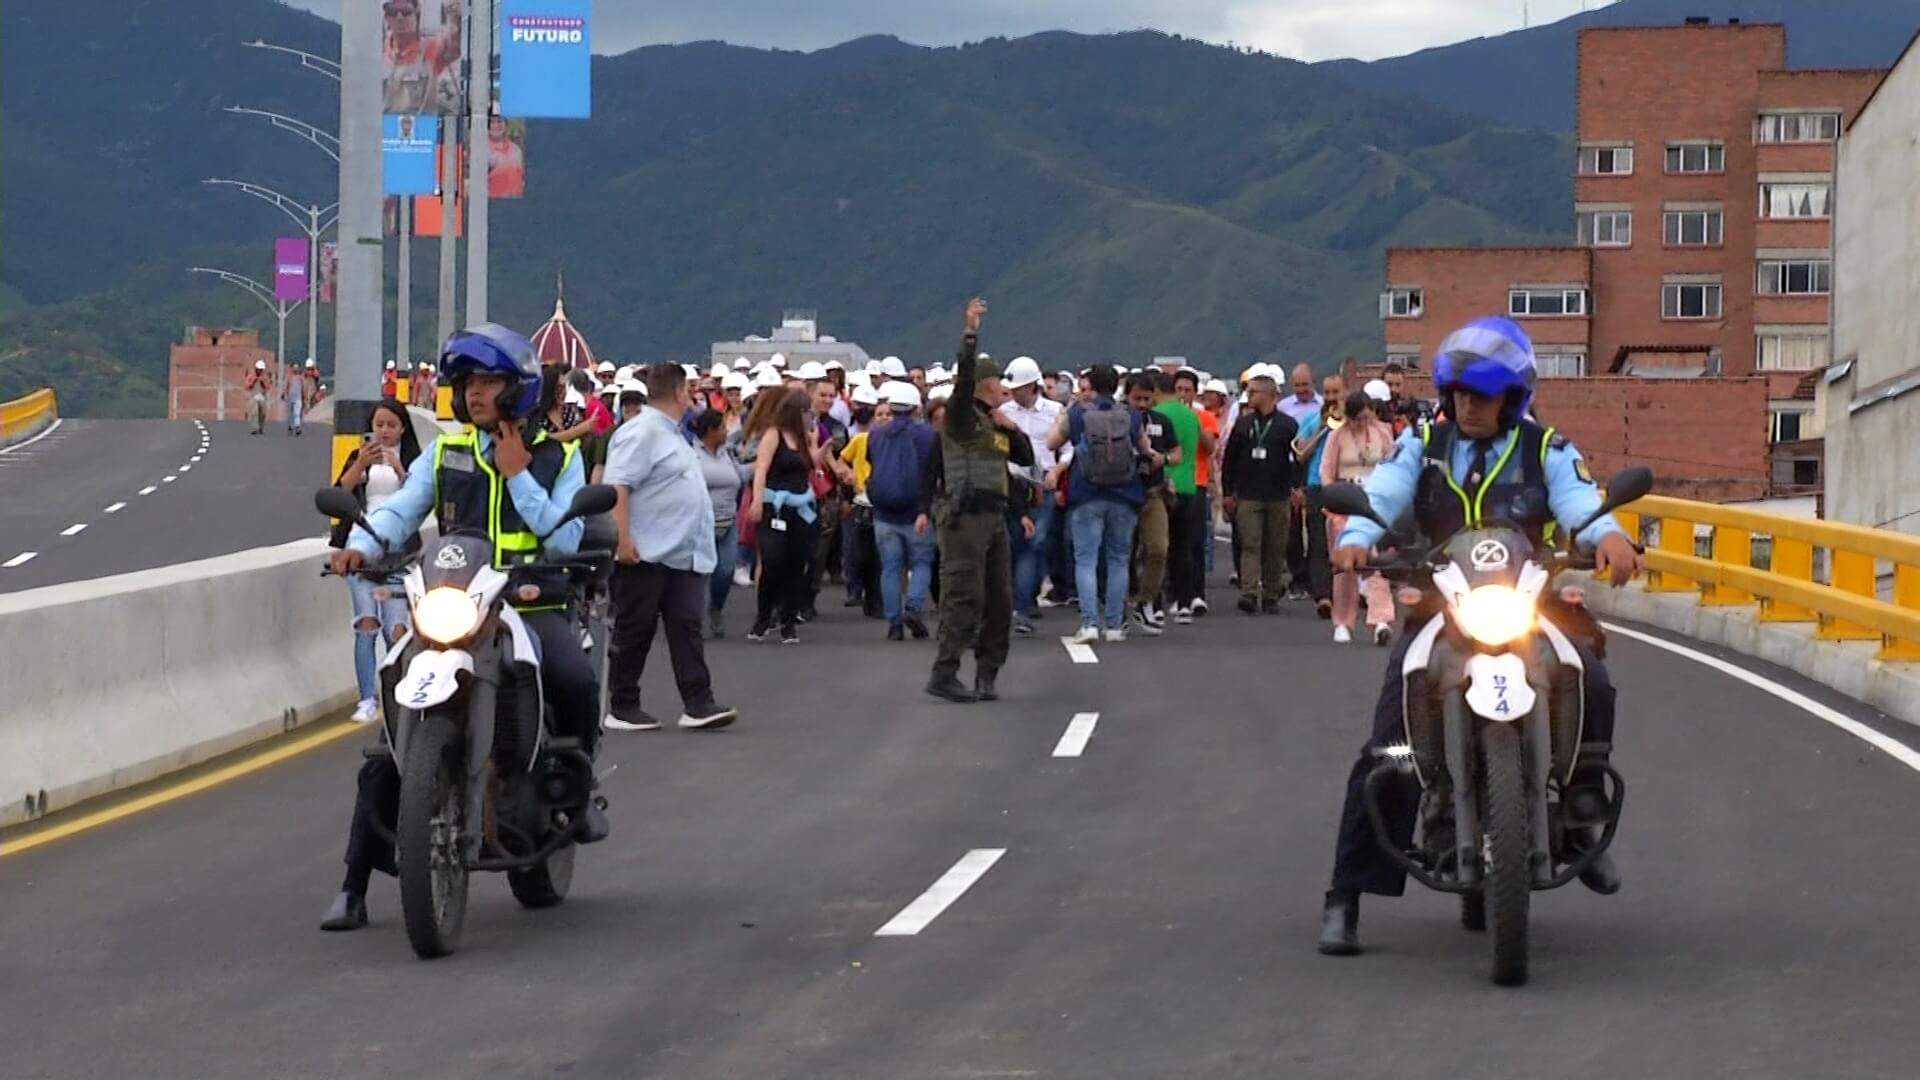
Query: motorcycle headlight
x=446 y=615
x=1494 y=614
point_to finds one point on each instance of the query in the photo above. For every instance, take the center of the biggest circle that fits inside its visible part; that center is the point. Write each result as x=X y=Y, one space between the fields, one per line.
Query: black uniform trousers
x=1359 y=865
x=571 y=688
x=645 y=596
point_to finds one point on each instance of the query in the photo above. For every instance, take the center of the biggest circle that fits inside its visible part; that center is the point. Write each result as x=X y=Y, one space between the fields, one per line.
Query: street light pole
x=308 y=60
x=480 y=105
x=280 y=309
x=327 y=141
x=308 y=218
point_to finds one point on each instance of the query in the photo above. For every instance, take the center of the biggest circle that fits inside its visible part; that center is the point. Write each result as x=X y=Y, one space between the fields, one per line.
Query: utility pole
x=449 y=221
x=357 y=315
x=480 y=105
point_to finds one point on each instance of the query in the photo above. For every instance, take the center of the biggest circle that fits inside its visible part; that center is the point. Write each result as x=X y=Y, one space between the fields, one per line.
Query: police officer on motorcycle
x=1486 y=461
x=499 y=480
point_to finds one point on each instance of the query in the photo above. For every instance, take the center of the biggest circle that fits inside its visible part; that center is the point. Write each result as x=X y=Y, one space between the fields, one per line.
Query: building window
x=1696 y=158
x=1796 y=277
x=1791 y=352
x=1606 y=228
x=1694 y=228
x=1689 y=301
x=1797 y=127
x=1402 y=304
x=1806 y=472
x=1796 y=200
x=1790 y=419
x=1535 y=300
x=1561 y=365
x=1606 y=161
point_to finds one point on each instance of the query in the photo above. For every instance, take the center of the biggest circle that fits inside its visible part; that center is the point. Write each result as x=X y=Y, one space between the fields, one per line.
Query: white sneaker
x=1342 y=636
x=1200 y=606
x=743 y=577
x=1182 y=615
x=366 y=712
x=1154 y=617
x=1117 y=635
x=1382 y=635
x=1086 y=635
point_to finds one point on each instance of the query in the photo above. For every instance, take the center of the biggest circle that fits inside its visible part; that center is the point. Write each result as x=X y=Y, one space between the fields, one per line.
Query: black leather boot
x=1340 y=925
x=1602 y=875
x=348 y=912
x=951 y=688
x=983 y=686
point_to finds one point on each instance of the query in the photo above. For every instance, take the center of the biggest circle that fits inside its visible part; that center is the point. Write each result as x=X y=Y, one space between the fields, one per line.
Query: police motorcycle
x=484 y=785
x=1495 y=704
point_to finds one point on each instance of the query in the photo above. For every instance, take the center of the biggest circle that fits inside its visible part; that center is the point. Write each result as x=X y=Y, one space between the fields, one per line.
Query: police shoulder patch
x=1580 y=470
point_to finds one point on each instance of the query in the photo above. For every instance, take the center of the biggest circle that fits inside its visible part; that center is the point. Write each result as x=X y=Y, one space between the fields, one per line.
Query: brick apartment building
x=207 y=374
x=1703 y=196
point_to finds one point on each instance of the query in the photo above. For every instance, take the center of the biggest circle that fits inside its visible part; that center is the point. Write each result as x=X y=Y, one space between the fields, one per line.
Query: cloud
x=1303 y=29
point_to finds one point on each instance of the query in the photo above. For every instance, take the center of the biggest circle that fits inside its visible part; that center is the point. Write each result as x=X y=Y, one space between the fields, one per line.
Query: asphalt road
x=1153 y=915
x=147 y=493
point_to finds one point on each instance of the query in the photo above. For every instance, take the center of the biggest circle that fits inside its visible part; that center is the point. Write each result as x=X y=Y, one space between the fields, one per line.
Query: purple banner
x=290 y=268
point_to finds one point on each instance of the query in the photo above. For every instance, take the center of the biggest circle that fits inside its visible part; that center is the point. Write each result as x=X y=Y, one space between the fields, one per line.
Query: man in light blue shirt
x=666 y=551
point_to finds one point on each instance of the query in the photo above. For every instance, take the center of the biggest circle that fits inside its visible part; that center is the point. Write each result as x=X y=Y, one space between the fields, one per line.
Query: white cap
x=865 y=395
x=719 y=371
x=1215 y=386
x=1023 y=371
x=735 y=380
x=939 y=393
x=389 y=365
x=605 y=367
x=892 y=368
x=741 y=363
x=835 y=365
x=778 y=359
x=767 y=377
x=812 y=371
x=901 y=395
x=1378 y=390
x=939 y=377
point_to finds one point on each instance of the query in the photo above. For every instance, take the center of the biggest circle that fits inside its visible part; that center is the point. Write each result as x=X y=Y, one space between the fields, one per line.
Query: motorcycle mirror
x=1624 y=488
x=1351 y=500
x=336 y=502
x=588 y=501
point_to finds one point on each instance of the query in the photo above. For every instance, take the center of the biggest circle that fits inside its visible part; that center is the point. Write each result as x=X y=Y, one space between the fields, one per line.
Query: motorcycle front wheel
x=1507 y=887
x=433 y=806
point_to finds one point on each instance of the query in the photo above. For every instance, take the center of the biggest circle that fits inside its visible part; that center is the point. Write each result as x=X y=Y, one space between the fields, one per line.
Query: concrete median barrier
x=108 y=683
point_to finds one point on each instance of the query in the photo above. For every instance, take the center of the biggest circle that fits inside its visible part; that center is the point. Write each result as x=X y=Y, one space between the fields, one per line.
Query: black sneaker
x=633 y=719
x=1272 y=607
x=852 y=601
x=915 y=626
x=1022 y=627
x=348 y=910
x=1250 y=603
x=789 y=635
x=896 y=632
x=708 y=716
x=951 y=688
x=760 y=631
x=716 y=625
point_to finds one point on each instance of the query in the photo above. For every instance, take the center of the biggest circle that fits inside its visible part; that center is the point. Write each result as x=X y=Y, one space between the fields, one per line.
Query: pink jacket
x=1373 y=435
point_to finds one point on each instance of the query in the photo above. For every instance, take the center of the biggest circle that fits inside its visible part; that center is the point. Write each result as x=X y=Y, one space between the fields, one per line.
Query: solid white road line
x=1074 y=741
x=74 y=530
x=18 y=560
x=915 y=916
x=116 y=508
x=148 y=490
x=24 y=443
x=1081 y=653
x=1896 y=749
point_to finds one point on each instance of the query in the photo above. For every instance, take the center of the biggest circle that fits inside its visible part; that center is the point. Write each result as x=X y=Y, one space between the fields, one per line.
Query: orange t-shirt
x=1203 y=465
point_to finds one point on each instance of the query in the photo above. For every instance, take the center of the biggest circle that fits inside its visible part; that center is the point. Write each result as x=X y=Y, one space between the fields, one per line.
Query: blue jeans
x=726 y=548
x=1030 y=556
x=899 y=545
x=388 y=616
x=294 y=404
x=1102 y=527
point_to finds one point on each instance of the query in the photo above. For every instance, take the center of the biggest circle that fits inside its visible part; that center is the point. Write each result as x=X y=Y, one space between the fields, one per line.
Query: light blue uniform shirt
x=669 y=513
x=403 y=514
x=1391 y=487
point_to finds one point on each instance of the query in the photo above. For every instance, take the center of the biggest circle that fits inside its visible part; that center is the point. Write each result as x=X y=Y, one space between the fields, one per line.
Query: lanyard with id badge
x=1259 y=452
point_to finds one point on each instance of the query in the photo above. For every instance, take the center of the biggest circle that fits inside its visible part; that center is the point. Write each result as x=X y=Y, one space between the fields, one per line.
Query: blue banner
x=407 y=157
x=546 y=59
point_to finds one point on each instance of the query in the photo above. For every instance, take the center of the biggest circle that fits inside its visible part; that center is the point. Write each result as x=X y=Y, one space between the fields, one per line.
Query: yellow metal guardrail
x=1846 y=607
x=23 y=415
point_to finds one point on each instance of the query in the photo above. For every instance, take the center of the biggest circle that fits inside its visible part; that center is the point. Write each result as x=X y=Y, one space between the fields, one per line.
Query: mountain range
x=1114 y=196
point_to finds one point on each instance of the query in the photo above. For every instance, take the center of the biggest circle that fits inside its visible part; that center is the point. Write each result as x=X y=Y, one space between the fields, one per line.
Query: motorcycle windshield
x=1489 y=556
x=452 y=561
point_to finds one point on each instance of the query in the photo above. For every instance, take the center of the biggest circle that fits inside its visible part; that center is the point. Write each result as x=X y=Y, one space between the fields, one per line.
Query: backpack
x=1106 y=451
x=893 y=453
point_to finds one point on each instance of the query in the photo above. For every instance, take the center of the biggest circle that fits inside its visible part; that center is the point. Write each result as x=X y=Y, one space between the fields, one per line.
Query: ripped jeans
x=376 y=622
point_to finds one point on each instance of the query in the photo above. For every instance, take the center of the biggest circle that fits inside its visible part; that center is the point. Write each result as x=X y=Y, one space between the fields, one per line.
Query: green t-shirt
x=1186 y=427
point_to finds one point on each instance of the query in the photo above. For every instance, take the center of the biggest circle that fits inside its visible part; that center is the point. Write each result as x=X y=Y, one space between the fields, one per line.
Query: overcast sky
x=1302 y=29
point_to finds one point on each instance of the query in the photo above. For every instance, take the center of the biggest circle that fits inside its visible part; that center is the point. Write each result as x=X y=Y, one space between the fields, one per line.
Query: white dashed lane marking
x=74 y=530
x=18 y=560
x=940 y=896
x=1074 y=741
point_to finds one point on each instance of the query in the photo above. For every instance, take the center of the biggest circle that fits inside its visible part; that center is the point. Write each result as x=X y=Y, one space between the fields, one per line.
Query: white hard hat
x=626 y=373
x=902 y=395
x=939 y=377
x=633 y=386
x=259 y=365
x=1023 y=371
x=693 y=372
x=892 y=368
x=719 y=371
x=859 y=378
x=767 y=377
x=735 y=380
x=865 y=395
x=812 y=371
x=741 y=363
x=605 y=367
x=872 y=368
x=310 y=363
x=424 y=366
x=939 y=393
x=1215 y=386
x=1378 y=390
x=835 y=365
x=389 y=365
x=778 y=359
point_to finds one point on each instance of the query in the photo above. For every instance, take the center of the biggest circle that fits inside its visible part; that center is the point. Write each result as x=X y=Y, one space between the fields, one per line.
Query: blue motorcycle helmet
x=492 y=349
x=1492 y=357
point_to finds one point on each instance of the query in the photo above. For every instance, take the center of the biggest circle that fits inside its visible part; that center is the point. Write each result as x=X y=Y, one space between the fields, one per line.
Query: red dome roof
x=559 y=342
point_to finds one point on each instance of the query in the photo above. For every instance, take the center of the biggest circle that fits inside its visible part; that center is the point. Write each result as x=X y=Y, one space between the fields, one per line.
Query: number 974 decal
x=1497 y=687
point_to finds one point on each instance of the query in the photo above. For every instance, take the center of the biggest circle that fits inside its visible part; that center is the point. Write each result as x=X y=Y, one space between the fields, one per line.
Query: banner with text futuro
x=546 y=59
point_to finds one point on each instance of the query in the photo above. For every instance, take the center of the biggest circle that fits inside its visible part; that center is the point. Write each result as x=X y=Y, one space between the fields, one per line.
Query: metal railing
x=1846 y=605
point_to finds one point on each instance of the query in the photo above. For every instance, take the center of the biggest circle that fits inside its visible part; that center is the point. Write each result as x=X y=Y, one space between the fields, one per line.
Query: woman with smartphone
x=374 y=472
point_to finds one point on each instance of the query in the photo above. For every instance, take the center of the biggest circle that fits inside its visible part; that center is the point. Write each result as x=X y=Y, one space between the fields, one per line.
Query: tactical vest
x=975 y=468
x=469 y=495
x=1442 y=507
